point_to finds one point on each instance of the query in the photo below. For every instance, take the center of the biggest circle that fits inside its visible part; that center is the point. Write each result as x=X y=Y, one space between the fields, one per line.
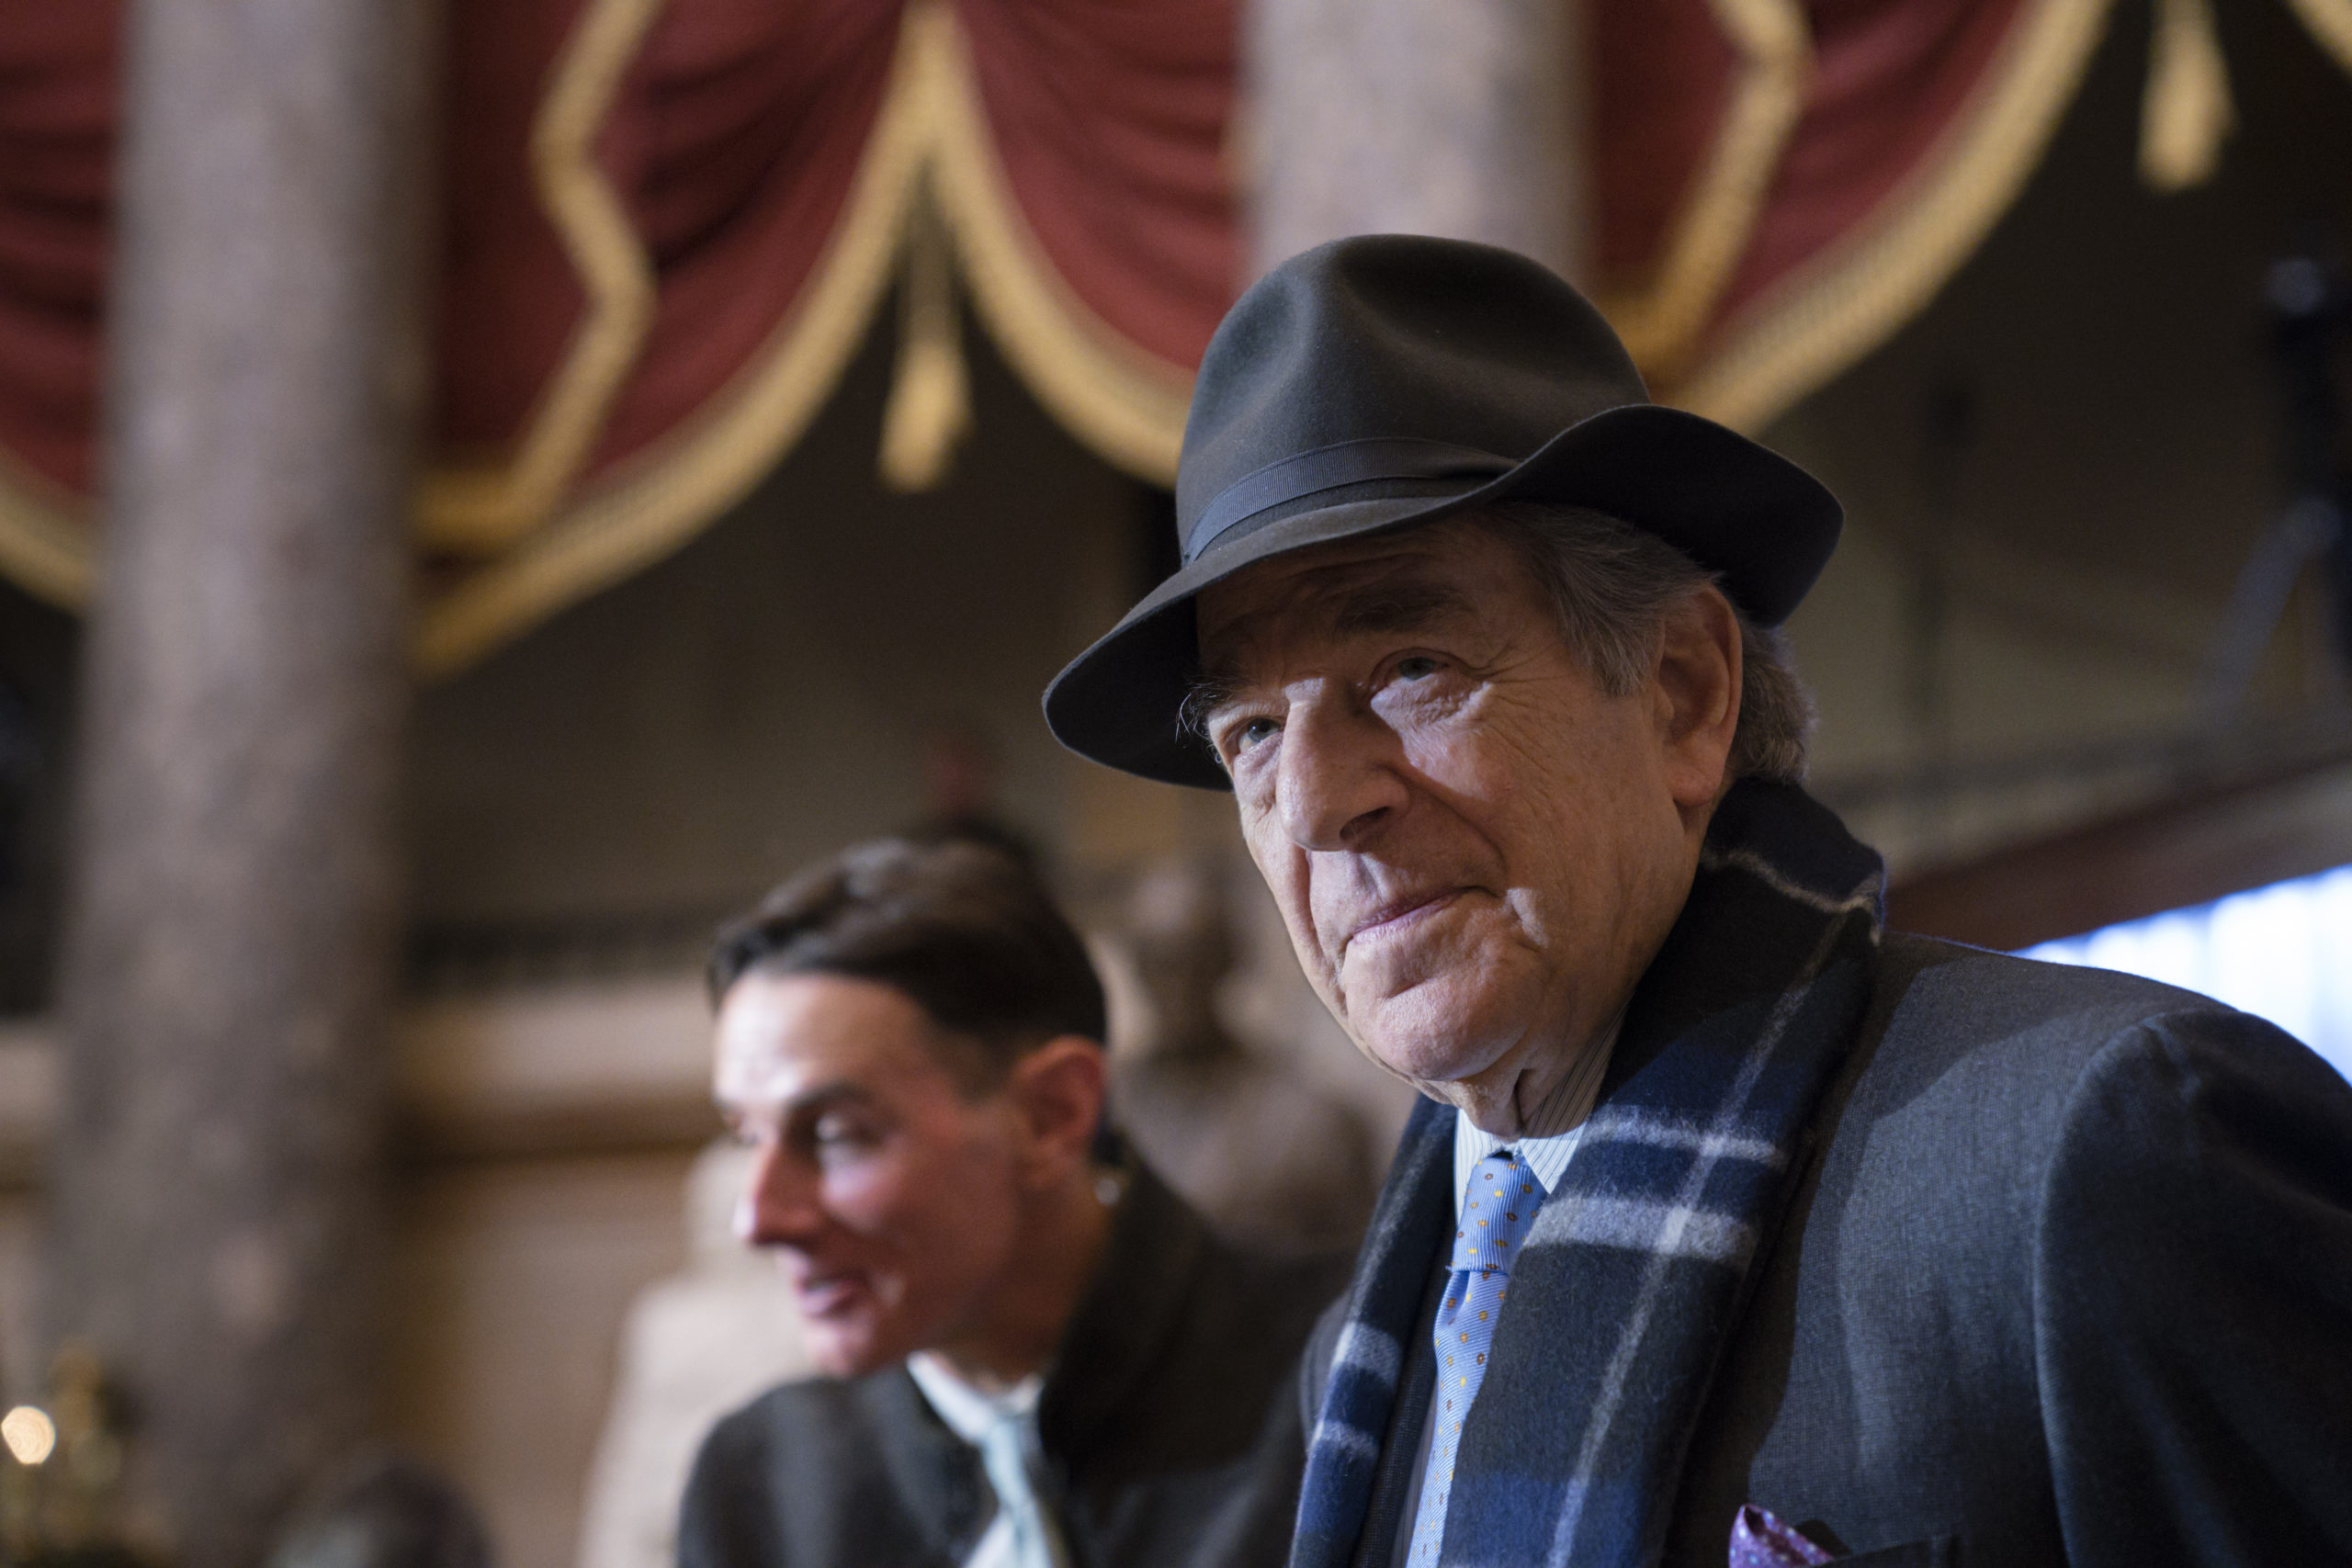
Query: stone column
x=216 y=1225
x=1461 y=118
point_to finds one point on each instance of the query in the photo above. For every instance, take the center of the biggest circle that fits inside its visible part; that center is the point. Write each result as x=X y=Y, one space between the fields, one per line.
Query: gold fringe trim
x=2185 y=113
x=1661 y=325
x=546 y=552
x=930 y=410
x=1857 y=293
x=2330 y=21
x=48 y=546
x=1127 y=404
x=477 y=512
x=668 y=494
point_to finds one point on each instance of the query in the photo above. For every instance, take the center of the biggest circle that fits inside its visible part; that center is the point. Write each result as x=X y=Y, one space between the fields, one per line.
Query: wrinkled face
x=1476 y=851
x=891 y=1198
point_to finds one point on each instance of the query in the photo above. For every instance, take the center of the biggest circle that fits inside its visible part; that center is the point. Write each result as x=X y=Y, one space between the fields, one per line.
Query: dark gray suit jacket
x=1169 y=1419
x=2067 y=1281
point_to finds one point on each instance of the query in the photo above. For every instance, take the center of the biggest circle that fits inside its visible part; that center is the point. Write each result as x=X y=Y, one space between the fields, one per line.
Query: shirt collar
x=1568 y=1107
x=968 y=1409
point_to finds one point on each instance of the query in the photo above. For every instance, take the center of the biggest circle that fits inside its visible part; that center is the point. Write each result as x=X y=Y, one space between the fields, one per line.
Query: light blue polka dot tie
x=1497 y=1207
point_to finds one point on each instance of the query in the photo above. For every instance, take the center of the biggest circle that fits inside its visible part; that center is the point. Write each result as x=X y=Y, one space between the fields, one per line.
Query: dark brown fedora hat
x=1392 y=380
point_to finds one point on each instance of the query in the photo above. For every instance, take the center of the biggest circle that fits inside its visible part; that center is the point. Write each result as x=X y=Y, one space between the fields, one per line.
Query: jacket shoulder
x=1970 y=1073
x=1981 y=1077
x=1964 y=1038
x=1928 y=990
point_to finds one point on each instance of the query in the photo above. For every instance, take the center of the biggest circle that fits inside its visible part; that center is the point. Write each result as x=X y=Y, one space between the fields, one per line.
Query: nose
x=1338 y=779
x=777 y=1206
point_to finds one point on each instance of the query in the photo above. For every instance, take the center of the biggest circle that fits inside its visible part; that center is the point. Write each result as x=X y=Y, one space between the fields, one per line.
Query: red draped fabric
x=1657 y=99
x=765 y=156
x=735 y=142
x=507 y=297
x=1891 y=77
x=1109 y=119
x=732 y=143
x=57 y=114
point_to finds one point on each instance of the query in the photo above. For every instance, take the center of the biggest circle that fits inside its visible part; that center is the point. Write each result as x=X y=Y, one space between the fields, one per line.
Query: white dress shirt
x=981 y=1417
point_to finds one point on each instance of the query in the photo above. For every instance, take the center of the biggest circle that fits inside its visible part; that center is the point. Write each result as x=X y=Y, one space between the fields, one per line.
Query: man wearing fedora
x=1732 y=1223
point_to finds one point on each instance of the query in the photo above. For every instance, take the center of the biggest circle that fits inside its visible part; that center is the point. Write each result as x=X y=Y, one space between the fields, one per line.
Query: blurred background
x=487 y=489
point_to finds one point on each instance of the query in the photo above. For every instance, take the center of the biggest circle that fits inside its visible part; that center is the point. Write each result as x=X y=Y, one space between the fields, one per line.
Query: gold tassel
x=2186 y=114
x=930 y=408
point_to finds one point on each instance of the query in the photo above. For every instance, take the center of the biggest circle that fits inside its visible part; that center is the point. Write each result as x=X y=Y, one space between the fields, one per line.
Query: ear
x=1696 y=692
x=1058 y=1093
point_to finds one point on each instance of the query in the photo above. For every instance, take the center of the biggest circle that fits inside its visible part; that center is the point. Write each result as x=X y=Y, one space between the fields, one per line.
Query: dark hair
x=1612 y=585
x=965 y=931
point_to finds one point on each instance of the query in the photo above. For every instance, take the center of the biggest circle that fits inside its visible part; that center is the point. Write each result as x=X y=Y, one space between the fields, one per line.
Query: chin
x=1435 y=1040
x=848 y=1350
x=1449 y=1016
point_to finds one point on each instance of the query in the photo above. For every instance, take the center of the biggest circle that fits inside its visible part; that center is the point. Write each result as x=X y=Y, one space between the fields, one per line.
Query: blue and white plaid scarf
x=1637 y=1268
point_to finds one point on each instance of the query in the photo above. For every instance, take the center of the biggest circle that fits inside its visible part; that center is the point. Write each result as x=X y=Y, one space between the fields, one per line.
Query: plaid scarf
x=1635 y=1272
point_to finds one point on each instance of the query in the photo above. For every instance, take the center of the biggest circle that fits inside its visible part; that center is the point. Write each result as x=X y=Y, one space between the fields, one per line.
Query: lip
x=830 y=1295
x=1400 y=915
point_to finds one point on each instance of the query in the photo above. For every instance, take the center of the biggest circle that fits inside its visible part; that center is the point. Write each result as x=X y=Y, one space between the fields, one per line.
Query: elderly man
x=1037 y=1358
x=1733 y=1224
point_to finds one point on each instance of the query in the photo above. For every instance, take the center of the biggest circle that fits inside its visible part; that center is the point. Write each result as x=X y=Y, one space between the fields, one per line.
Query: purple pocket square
x=1758 y=1539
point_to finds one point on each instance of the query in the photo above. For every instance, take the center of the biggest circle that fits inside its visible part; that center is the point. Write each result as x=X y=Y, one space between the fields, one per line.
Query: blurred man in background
x=1034 y=1355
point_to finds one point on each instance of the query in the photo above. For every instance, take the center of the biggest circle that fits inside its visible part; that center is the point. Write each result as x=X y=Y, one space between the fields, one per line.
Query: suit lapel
x=934 y=1476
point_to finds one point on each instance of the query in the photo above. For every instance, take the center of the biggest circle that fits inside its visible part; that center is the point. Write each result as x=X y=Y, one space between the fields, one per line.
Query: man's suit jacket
x=2067 y=1280
x=1168 y=1420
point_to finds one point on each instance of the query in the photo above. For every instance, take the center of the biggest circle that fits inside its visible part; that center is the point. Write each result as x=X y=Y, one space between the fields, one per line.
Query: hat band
x=1334 y=467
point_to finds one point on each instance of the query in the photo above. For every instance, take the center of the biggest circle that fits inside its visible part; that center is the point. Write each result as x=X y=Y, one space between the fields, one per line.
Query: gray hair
x=1612 y=586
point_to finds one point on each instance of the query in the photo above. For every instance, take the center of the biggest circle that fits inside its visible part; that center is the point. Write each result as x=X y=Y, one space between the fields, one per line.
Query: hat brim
x=1762 y=525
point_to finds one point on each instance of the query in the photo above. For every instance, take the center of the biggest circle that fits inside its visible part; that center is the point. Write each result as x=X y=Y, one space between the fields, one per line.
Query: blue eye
x=1249 y=734
x=1417 y=667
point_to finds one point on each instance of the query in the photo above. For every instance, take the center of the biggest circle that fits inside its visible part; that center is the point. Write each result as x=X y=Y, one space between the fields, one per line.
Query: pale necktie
x=1005 y=1451
x=1498 y=1206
